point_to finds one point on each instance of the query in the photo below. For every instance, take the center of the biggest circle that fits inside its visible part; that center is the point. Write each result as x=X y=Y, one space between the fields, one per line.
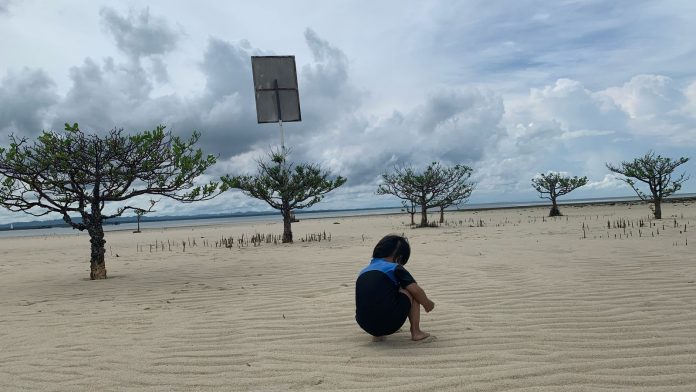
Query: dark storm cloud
x=140 y=35
x=159 y=70
x=329 y=99
x=325 y=87
x=328 y=75
x=111 y=93
x=225 y=112
x=107 y=96
x=25 y=99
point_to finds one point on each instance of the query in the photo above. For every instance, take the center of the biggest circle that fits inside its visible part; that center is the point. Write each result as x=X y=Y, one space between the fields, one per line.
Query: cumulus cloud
x=455 y=126
x=647 y=96
x=574 y=107
x=658 y=107
x=566 y=126
x=609 y=181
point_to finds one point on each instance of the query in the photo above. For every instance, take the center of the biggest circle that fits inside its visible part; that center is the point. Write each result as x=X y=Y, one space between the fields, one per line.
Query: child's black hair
x=393 y=245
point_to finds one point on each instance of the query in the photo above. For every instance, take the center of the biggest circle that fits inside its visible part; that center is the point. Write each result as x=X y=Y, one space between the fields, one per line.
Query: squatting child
x=386 y=294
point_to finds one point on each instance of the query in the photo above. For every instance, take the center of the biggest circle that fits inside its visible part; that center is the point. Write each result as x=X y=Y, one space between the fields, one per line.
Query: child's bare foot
x=379 y=338
x=419 y=335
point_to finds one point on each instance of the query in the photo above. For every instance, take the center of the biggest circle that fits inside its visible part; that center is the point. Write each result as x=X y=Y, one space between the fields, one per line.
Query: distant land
x=58 y=223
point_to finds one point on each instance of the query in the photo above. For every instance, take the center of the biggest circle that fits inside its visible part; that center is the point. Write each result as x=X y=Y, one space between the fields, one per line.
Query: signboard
x=275 y=84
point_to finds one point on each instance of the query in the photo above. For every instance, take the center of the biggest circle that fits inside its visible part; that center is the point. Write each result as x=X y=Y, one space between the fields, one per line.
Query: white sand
x=521 y=304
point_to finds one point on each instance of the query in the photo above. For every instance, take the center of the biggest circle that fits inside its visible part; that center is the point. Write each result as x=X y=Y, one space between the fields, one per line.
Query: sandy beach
x=523 y=303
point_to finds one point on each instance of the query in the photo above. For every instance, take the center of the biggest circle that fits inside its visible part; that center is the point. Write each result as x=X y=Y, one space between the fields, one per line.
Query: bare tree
x=410 y=207
x=286 y=187
x=656 y=172
x=553 y=184
x=457 y=188
x=140 y=212
x=78 y=174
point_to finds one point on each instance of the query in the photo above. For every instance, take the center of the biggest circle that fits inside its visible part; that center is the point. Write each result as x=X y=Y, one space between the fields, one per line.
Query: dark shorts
x=386 y=323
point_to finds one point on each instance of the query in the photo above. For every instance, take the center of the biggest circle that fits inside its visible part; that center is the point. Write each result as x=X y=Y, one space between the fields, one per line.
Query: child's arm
x=419 y=295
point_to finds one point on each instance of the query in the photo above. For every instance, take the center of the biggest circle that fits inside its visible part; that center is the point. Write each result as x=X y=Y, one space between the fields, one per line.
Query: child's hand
x=428 y=305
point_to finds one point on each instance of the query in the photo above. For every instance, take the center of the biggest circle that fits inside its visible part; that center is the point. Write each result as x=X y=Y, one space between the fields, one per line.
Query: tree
x=656 y=171
x=410 y=207
x=553 y=184
x=74 y=173
x=140 y=212
x=435 y=186
x=286 y=187
x=457 y=188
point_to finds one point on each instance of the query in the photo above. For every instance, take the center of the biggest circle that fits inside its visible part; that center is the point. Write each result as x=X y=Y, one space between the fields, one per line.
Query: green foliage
x=655 y=171
x=436 y=186
x=76 y=173
x=554 y=184
x=286 y=186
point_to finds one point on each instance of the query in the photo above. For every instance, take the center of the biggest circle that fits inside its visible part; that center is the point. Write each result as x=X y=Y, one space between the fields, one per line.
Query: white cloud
x=658 y=107
x=609 y=182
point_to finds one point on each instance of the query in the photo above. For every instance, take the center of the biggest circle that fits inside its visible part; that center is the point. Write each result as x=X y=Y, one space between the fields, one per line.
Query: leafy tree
x=436 y=186
x=656 y=171
x=74 y=173
x=553 y=184
x=286 y=187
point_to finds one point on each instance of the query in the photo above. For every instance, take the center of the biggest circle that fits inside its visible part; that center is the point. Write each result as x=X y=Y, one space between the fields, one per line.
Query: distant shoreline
x=129 y=223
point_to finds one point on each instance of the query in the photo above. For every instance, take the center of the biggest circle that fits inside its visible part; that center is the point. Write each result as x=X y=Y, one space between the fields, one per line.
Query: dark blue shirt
x=377 y=287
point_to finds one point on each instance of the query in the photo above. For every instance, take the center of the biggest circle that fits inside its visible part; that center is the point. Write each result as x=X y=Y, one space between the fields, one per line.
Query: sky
x=510 y=89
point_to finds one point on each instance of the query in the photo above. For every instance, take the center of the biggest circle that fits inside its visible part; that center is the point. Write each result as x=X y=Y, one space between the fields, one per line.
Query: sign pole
x=280 y=116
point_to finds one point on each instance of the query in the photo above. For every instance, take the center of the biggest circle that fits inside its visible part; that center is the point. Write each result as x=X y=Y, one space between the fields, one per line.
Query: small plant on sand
x=656 y=172
x=140 y=212
x=554 y=184
x=77 y=174
x=286 y=187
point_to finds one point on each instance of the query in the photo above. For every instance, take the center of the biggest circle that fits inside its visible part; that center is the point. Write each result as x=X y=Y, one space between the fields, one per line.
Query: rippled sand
x=524 y=303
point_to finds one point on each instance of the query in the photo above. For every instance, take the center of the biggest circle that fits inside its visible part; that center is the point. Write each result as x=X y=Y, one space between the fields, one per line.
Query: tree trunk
x=413 y=222
x=287 y=229
x=442 y=214
x=554 y=209
x=96 y=261
x=424 y=215
x=658 y=208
